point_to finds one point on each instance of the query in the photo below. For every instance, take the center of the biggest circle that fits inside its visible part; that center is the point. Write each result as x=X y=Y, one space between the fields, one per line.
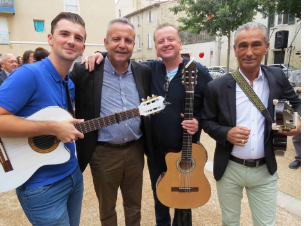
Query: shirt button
x=126 y=124
x=122 y=93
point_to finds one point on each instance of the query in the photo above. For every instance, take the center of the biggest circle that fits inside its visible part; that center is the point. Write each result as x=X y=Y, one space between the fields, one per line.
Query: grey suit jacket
x=219 y=115
x=3 y=76
x=88 y=87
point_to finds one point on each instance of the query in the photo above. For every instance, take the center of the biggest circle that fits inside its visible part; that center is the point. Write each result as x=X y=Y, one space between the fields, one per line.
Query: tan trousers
x=261 y=189
x=118 y=167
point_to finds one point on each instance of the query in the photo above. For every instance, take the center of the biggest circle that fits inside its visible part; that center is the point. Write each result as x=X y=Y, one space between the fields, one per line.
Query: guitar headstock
x=151 y=105
x=189 y=76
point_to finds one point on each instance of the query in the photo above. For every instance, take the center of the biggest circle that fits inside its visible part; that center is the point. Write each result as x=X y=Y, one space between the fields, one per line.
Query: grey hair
x=119 y=20
x=4 y=55
x=252 y=25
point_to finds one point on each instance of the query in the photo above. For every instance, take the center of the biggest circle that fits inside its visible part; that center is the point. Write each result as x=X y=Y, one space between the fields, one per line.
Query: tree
x=219 y=17
x=292 y=7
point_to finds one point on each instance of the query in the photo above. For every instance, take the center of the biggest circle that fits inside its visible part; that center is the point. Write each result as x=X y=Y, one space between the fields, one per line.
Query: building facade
x=27 y=27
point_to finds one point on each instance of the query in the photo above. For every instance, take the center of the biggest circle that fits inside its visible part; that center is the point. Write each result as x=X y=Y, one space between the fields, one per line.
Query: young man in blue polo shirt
x=53 y=194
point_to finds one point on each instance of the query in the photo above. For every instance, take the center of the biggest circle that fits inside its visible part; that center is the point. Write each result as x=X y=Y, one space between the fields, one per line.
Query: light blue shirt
x=172 y=73
x=8 y=74
x=119 y=93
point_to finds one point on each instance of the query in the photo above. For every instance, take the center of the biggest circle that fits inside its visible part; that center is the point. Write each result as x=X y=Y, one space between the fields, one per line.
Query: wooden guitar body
x=184 y=186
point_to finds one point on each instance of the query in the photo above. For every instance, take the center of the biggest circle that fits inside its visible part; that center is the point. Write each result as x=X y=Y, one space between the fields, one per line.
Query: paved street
x=289 y=183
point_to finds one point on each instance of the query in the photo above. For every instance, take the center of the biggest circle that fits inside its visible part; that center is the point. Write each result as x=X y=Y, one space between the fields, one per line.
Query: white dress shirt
x=247 y=115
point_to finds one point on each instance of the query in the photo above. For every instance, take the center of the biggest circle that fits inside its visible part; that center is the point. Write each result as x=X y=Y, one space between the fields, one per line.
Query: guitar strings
x=45 y=141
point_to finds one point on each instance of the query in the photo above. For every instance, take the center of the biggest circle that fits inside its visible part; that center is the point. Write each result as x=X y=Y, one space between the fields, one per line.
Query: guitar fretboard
x=98 y=123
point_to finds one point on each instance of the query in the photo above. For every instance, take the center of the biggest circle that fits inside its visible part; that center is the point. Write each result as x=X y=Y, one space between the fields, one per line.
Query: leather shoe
x=295 y=164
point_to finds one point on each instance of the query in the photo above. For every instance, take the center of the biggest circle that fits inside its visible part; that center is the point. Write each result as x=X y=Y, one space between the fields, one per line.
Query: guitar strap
x=184 y=217
x=247 y=89
x=70 y=106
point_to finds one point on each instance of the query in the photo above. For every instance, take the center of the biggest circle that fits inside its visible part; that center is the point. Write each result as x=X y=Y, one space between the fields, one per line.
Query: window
x=150 y=41
x=131 y=20
x=39 y=25
x=285 y=18
x=71 y=5
x=138 y=19
x=119 y=13
x=150 y=17
x=139 y=42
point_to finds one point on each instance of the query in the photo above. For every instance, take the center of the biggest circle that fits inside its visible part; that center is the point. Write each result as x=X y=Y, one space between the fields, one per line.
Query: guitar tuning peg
x=152 y=95
x=196 y=70
x=143 y=100
x=148 y=98
x=183 y=71
x=195 y=82
x=183 y=82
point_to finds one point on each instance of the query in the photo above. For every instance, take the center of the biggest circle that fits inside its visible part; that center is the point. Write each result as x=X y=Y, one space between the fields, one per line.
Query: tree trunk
x=228 y=52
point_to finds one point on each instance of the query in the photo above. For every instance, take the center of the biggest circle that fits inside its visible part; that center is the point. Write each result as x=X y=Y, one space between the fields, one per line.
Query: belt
x=106 y=144
x=248 y=162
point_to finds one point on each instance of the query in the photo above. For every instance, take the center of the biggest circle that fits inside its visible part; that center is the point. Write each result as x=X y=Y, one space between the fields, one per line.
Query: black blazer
x=88 y=87
x=219 y=115
x=3 y=76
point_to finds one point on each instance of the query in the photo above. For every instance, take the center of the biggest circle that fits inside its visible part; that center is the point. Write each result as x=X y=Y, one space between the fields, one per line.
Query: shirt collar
x=8 y=74
x=52 y=70
x=112 y=70
x=260 y=75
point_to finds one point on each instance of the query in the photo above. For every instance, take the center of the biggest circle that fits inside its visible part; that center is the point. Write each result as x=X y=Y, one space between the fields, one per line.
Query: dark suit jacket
x=3 y=76
x=88 y=87
x=219 y=115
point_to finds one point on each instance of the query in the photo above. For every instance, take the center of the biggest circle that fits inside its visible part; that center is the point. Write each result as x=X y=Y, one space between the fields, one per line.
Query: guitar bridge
x=4 y=160
x=184 y=189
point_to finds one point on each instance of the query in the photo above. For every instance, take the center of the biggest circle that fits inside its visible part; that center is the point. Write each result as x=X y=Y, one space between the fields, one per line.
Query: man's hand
x=66 y=131
x=238 y=135
x=294 y=131
x=90 y=61
x=190 y=125
x=299 y=90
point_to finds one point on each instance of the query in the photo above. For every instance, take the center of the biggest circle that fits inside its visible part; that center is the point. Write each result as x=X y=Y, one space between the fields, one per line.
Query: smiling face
x=250 y=48
x=120 y=44
x=167 y=43
x=67 y=41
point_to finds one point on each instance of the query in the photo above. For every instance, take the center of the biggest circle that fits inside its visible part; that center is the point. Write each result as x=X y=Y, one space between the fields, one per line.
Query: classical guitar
x=285 y=118
x=184 y=185
x=21 y=157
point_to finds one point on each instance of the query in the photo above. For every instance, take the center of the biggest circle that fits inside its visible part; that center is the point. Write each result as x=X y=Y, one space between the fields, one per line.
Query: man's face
x=250 y=48
x=120 y=43
x=9 y=63
x=67 y=41
x=167 y=43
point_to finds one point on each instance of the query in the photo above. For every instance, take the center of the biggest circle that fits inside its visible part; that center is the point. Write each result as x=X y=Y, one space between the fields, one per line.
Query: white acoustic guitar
x=22 y=157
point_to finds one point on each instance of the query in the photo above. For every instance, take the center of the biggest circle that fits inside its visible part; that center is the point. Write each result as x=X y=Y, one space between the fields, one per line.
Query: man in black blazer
x=9 y=63
x=244 y=155
x=116 y=152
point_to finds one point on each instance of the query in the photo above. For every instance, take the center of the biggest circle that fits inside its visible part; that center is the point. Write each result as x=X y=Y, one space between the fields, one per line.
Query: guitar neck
x=187 y=138
x=98 y=123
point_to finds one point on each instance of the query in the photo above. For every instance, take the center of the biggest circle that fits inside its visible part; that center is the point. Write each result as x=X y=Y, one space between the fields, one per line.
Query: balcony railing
x=7 y=6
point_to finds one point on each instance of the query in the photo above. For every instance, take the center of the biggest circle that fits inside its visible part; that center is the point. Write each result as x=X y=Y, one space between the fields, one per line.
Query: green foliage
x=292 y=7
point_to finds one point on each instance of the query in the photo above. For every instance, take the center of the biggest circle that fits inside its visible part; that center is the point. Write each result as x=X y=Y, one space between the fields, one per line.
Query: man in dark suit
x=244 y=155
x=116 y=152
x=9 y=63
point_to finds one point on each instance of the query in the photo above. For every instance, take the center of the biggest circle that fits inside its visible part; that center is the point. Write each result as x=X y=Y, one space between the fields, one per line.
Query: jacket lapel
x=271 y=84
x=138 y=80
x=98 y=80
x=231 y=88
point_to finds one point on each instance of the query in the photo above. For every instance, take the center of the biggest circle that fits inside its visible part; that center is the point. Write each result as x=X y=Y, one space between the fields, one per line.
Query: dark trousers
x=114 y=168
x=162 y=213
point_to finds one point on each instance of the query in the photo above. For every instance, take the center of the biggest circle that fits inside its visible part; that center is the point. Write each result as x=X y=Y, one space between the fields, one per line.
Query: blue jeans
x=54 y=204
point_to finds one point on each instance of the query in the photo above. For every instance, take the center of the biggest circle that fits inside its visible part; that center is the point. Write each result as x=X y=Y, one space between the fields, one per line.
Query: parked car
x=284 y=68
x=218 y=71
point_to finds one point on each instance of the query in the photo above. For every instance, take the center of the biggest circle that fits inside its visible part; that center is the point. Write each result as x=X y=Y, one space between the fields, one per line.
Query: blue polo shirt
x=27 y=90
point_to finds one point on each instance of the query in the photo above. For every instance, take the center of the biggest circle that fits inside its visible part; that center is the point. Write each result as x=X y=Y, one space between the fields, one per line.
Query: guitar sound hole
x=185 y=165
x=43 y=144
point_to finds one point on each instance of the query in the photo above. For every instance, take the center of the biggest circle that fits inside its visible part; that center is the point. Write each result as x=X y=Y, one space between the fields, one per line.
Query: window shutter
x=151 y=16
x=147 y=17
x=150 y=41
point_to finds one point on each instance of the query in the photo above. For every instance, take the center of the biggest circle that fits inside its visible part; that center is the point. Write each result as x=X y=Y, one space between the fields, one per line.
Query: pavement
x=288 y=208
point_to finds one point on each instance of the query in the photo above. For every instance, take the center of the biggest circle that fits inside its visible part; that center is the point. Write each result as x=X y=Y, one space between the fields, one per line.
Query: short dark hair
x=40 y=54
x=26 y=56
x=73 y=17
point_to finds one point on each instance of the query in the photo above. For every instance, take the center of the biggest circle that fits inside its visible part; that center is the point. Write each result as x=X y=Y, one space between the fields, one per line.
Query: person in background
x=9 y=63
x=28 y=57
x=295 y=80
x=40 y=53
x=19 y=61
